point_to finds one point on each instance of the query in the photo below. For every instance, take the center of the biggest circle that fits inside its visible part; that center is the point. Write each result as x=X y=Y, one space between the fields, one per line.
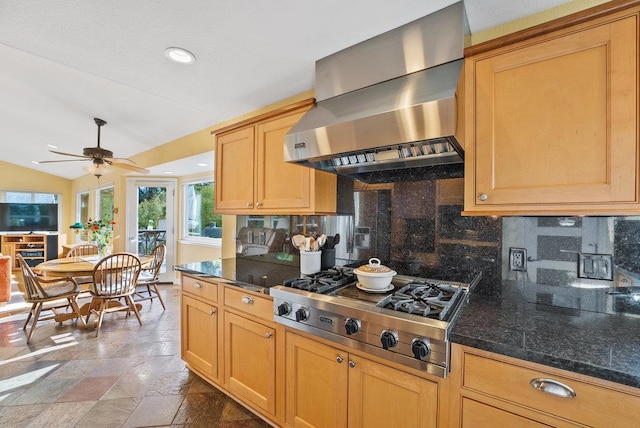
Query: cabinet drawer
x=592 y=405
x=200 y=287
x=257 y=306
x=475 y=414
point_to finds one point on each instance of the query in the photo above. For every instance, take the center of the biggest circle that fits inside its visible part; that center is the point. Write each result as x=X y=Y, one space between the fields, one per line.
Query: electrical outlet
x=518 y=259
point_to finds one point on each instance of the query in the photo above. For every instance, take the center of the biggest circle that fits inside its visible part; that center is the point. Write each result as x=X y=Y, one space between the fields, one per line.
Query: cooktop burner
x=322 y=282
x=423 y=297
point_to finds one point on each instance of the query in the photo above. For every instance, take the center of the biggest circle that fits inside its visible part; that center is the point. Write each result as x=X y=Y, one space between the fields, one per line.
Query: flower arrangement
x=101 y=233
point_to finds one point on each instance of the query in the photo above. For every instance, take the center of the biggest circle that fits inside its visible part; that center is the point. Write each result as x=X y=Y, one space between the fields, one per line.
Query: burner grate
x=424 y=298
x=322 y=282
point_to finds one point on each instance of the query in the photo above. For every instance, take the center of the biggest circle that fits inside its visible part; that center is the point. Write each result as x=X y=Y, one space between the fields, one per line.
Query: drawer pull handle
x=339 y=359
x=212 y=311
x=553 y=387
x=352 y=363
x=198 y=285
x=268 y=335
x=248 y=300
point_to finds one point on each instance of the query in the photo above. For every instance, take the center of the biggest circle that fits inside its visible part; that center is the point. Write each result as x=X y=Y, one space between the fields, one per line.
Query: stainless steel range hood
x=386 y=108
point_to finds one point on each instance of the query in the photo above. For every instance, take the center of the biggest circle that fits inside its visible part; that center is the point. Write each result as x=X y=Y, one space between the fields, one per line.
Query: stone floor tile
x=61 y=414
x=108 y=413
x=44 y=391
x=244 y=423
x=89 y=388
x=130 y=385
x=20 y=416
x=171 y=384
x=154 y=411
x=201 y=409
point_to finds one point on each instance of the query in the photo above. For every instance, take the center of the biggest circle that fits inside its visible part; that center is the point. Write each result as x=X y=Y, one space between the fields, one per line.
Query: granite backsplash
x=414 y=227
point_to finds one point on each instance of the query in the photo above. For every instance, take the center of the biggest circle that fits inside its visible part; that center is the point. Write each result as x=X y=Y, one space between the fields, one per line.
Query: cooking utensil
x=298 y=241
x=336 y=239
x=322 y=239
x=374 y=276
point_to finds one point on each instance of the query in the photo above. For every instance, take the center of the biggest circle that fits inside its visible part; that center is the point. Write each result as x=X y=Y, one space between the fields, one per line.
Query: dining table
x=78 y=267
x=75 y=266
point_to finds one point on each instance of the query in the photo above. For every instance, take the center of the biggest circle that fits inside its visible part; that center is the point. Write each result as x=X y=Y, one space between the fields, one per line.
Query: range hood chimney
x=386 y=108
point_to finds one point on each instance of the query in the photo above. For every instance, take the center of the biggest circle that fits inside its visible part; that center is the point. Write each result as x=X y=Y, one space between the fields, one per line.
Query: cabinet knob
x=352 y=363
x=268 y=335
x=259 y=204
x=248 y=300
x=249 y=204
x=553 y=387
x=212 y=311
x=339 y=359
x=483 y=197
x=197 y=285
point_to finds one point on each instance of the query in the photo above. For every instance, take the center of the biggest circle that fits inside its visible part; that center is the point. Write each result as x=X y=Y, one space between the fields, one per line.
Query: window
x=31 y=197
x=82 y=207
x=104 y=204
x=199 y=221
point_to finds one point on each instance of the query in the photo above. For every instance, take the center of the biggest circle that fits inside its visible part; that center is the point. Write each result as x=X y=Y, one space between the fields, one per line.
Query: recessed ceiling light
x=202 y=164
x=52 y=146
x=167 y=172
x=36 y=162
x=180 y=55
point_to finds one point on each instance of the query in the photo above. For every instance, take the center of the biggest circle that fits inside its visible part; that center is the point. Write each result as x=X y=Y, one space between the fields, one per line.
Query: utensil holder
x=328 y=259
x=310 y=262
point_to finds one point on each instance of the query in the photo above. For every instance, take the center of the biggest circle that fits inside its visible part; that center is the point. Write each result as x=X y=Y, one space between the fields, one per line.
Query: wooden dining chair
x=53 y=295
x=147 y=286
x=114 y=278
x=83 y=250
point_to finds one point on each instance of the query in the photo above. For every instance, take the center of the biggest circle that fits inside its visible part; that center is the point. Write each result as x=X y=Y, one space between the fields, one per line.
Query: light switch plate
x=595 y=266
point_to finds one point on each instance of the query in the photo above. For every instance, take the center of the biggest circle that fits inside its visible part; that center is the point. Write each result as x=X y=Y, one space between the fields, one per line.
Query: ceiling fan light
x=98 y=170
x=180 y=55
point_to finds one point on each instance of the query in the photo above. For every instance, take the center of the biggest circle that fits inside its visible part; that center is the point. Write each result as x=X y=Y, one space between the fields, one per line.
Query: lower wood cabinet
x=250 y=361
x=491 y=390
x=329 y=387
x=200 y=335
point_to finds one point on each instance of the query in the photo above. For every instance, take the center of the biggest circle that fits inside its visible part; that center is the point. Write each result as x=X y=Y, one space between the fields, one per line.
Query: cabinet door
x=316 y=384
x=200 y=336
x=250 y=361
x=380 y=396
x=555 y=122
x=235 y=170
x=280 y=185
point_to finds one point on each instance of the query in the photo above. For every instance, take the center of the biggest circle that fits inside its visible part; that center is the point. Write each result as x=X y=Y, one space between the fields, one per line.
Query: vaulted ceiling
x=64 y=63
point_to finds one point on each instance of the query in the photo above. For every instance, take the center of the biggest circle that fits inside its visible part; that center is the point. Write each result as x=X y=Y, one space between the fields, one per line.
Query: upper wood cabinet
x=252 y=177
x=552 y=120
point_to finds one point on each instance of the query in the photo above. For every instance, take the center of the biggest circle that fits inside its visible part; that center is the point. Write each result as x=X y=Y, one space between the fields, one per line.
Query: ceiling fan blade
x=66 y=160
x=121 y=161
x=129 y=167
x=70 y=154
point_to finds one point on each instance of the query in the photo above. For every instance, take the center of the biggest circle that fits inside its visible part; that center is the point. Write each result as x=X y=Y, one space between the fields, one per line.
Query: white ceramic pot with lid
x=374 y=276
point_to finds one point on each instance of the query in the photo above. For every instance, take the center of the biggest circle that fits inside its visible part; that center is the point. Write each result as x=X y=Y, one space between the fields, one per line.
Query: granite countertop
x=256 y=273
x=598 y=344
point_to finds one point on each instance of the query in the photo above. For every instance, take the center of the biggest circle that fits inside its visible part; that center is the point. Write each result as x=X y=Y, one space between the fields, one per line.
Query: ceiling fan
x=100 y=158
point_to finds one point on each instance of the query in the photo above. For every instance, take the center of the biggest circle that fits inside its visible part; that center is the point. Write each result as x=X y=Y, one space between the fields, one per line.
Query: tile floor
x=129 y=376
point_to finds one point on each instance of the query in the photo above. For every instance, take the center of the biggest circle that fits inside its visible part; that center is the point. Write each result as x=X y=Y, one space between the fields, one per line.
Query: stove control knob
x=352 y=326
x=389 y=339
x=420 y=348
x=302 y=314
x=284 y=309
